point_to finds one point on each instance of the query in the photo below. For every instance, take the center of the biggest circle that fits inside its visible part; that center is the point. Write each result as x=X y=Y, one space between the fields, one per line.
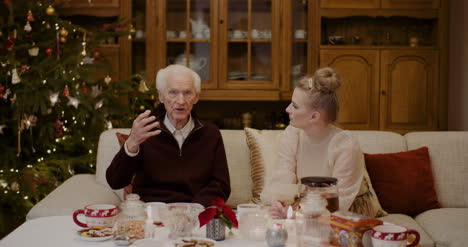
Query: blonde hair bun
x=326 y=80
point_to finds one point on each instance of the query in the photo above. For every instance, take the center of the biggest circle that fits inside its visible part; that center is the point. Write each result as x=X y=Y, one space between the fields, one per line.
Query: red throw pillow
x=122 y=138
x=403 y=181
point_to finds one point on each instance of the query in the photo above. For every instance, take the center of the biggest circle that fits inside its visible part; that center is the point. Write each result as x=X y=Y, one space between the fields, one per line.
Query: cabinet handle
x=221 y=21
x=383 y=92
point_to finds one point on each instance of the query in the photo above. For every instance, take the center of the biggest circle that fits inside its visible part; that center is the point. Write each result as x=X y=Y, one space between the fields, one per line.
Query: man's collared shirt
x=179 y=134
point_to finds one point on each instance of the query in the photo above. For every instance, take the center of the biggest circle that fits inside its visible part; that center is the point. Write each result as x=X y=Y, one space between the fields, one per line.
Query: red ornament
x=96 y=54
x=84 y=88
x=58 y=128
x=9 y=44
x=30 y=17
x=49 y=51
x=2 y=91
x=66 y=91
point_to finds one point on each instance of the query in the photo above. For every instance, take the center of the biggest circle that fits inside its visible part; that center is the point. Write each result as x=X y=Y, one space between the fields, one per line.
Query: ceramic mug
x=237 y=34
x=96 y=215
x=171 y=34
x=390 y=235
x=182 y=35
x=255 y=34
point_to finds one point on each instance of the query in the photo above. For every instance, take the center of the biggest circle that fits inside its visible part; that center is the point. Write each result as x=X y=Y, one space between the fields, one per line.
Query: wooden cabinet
x=388 y=89
x=92 y=7
x=386 y=4
x=359 y=92
x=350 y=3
x=409 y=86
x=411 y=4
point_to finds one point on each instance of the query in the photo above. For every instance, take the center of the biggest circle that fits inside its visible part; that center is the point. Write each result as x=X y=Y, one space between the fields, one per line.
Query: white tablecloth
x=60 y=231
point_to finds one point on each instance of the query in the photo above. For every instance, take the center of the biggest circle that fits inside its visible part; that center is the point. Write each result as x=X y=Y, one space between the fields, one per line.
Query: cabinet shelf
x=377 y=47
x=185 y=40
x=342 y=13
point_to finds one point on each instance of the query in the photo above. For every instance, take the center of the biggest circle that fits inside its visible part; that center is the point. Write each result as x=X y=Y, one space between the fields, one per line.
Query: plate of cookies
x=194 y=242
x=95 y=234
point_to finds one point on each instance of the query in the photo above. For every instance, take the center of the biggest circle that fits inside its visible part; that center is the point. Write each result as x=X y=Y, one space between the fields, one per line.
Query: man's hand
x=141 y=130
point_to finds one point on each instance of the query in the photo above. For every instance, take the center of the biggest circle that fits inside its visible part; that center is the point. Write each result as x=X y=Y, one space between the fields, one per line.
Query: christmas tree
x=52 y=110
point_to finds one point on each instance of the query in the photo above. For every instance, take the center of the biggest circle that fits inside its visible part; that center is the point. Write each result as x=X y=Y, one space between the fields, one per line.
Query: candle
x=290 y=225
x=149 y=223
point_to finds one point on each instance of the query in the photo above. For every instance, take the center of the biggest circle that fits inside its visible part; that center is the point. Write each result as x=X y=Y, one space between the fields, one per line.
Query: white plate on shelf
x=195 y=240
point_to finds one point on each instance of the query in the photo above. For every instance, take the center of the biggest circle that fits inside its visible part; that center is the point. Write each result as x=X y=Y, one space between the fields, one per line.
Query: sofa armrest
x=75 y=193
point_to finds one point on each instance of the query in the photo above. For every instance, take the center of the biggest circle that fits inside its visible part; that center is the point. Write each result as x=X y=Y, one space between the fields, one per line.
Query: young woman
x=312 y=146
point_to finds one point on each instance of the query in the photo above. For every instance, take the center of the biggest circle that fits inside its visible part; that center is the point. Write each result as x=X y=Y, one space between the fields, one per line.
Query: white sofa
x=447 y=226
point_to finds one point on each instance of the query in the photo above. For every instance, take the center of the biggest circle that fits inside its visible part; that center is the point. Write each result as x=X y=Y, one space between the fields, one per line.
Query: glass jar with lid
x=323 y=186
x=313 y=222
x=130 y=223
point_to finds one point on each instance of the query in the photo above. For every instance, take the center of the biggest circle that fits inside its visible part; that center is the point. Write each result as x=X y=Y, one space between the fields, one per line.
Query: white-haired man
x=173 y=157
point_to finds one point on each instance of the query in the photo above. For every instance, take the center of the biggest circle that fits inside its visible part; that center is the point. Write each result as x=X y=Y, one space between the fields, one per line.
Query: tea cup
x=182 y=35
x=389 y=235
x=255 y=34
x=246 y=207
x=300 y=34
x=96 y=215
x=237 y=34
x=171 y=34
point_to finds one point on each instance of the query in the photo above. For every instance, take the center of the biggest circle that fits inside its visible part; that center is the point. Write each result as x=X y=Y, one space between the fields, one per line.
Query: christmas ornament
x=49 y=51
x=29 y=121
x=95 y=91
x=9 y=44
x=58 y=128
x=33 y=51
x=13 y=99
x=142 y=108
x=87 y=60
x=27 y=27
x=3 y=183
x=50 y=10
x=47 y=25
x=83 y=53
x=63 y=39
x=96 y=54
x=15 y=79
x=14 y=186
x=1 y=128
x=109 y=124
x=66 y=91
x=30 y=17
x=2 y=91
x=107 y=79
x=73 y=101
x=8 y=92
x=99 y=104
x=54 y=98
x=63 y=32
x=24 y=68
x=84 y=88
x=142 y=87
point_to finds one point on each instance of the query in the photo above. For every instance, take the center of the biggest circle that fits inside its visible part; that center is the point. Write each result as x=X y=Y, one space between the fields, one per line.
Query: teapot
x=198 y=27
x=195 y=63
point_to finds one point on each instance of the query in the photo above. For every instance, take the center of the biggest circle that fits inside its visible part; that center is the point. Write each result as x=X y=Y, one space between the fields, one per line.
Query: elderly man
x=173 y=157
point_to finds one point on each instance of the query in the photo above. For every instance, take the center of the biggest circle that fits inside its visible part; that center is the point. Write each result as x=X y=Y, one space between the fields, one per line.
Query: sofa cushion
x=408 y=222
x=403 y=181
x=447 y=226
x=263 y=147
x=449 y=156
x=237 y=155
x=107 y=148
x=376 y=142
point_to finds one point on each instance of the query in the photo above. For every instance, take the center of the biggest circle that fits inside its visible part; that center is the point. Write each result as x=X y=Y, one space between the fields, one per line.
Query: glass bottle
x=313 y=222
x=130 y=223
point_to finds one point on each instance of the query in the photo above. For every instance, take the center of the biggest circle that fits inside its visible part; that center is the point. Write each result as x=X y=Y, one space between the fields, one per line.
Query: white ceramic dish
x=92 y=239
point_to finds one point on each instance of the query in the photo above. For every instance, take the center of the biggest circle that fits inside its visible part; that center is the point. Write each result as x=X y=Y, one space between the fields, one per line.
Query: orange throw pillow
x=403 y=181
x=122 y=139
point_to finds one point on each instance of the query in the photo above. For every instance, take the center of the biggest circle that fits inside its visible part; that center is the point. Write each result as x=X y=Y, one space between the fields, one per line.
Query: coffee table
x=60 y=231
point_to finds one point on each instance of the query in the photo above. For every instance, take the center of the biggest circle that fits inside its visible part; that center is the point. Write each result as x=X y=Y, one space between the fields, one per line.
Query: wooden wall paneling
x=411 y=4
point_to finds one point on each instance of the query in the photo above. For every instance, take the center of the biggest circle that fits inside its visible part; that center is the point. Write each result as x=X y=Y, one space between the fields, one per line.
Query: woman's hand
x=278 y=210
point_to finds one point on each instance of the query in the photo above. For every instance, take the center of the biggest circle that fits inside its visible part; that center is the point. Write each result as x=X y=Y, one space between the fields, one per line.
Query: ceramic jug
x=195 y=63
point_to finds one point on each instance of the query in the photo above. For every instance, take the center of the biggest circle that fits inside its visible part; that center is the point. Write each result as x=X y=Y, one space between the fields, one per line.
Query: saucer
x=107 y=232
x=194 y=241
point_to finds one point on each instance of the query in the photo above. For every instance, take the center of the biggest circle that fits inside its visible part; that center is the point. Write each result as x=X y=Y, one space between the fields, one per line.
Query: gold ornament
x=63 y=39
x=142 y=108
x=63 y=32
x=107 y=79
x=50 y=10
x=142 y=87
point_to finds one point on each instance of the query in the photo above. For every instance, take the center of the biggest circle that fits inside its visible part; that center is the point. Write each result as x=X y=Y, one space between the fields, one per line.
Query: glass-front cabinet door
x=187 y=35
x=300 y=40
x=248 y=42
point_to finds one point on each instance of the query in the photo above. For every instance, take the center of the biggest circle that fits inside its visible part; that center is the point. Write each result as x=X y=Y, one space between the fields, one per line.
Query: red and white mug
x=97 y=215
x=389 y=235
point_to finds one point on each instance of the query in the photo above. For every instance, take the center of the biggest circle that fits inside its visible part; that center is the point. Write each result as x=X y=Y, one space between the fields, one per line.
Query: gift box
x=351 y=230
